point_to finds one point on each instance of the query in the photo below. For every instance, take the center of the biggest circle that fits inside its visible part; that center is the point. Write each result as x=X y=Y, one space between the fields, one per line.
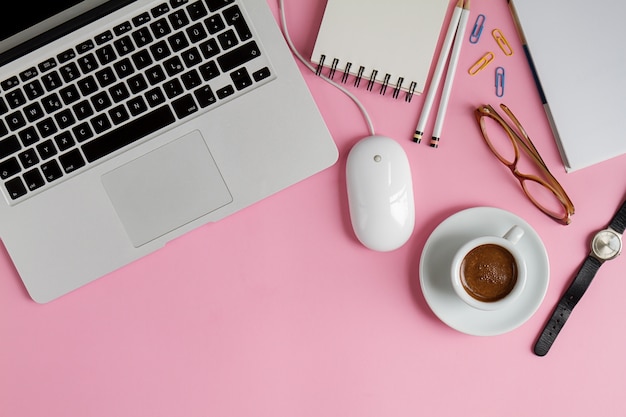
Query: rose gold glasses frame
x=522 y=139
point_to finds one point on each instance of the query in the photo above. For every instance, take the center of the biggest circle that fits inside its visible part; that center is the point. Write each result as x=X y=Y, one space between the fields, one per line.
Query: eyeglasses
x=543 y=190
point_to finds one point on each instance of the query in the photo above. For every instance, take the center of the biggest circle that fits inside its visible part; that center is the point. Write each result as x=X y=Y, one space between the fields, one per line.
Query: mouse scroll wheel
x=378 y=158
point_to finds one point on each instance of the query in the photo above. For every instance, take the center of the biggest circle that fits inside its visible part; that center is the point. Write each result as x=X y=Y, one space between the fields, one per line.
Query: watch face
x=606 y=244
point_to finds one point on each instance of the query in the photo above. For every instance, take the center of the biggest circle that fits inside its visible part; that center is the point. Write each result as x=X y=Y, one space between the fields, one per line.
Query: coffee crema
x=488 y=272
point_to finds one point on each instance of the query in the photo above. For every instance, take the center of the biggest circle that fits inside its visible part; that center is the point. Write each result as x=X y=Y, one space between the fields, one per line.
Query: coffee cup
x=489 y=272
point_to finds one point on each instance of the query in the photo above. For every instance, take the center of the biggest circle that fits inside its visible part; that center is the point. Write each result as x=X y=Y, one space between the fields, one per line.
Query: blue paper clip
x=478 y=29
x=499 y=81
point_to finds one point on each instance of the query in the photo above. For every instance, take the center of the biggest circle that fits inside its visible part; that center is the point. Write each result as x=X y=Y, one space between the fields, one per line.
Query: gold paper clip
x=502 y=42
x=482 y=62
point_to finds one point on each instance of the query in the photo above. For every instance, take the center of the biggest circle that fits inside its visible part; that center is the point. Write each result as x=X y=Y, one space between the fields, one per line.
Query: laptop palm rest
x=166 y=188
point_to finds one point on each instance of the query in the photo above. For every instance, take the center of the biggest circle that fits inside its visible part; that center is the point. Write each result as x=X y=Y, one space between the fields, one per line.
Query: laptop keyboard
x=166 y=64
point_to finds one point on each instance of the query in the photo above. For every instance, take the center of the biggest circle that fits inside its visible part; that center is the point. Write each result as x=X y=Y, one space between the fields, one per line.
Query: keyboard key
x=191 y=57
x=66 y=56
x=241 y=79
x=160 y=10
x=142 y=59
x=155 y=97
x=82 y=110
x=141 y=19
x=196 y=32
x=209 y=48
x=209 y=70
x=9 y=83
x=15 y=121
x=64 y=119
x=177 y=3
x=137 y=83
x=227 y=39
x=64 y=141
x=28 y=74
x=178 y=41
x=123 y=68
x=51 y=170
x=105 y=77
x=225 y=91
x=46 y=150
x=15 y=98
x=127 y=134
x=119 y=92
x=82 y=132
x=122 y=28
x=205 y=96
x=118 y=114
x=71 y=161
x=173 y=66
x=69 y=94
x=104 y=37
x=87 y=85
x=29 y=136
x=155 y=75
x=83 y=47
x=51 y=81
x=47 y=65
x=160 y=28
x=106 y=54
x=33 y=112
x=191 y=79
x=28 y=158
x=101 y=101
x=51 y=103
x=178 y=19
x=239 y=56
x=33 y=89
x=196 y=10
x=173 y=88
x=88 y=63
x=142 y=37
x=217 y=4
x=33 y=179
x=100 y=123
x=261 y=74
x=124 y=46
x=137 y=106
x=69 y=72
x=160 y=51
x=184 y=106
x=214 y=23
x=9 y=168
x=234 y=18
x=46 y=127
x=9 y=146
x=15 y=188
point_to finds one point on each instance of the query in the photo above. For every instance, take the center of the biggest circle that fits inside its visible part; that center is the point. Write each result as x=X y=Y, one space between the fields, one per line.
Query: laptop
x=575 y=50
x=126 y=123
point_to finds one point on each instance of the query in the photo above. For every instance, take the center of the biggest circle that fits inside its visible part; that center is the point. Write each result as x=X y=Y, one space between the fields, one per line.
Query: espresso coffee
x=488 y=272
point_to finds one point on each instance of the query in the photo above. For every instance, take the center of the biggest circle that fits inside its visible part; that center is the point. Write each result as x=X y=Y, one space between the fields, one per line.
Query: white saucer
x=435 y=262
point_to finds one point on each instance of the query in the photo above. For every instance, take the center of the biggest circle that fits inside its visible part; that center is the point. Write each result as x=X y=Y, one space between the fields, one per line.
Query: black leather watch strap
x=618 y=223
x=566 y=304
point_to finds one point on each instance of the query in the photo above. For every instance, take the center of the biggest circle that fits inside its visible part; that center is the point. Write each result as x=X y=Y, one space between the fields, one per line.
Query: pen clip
x=502 y=42
x=499 y=82
x=482 y=62
x=479 y=25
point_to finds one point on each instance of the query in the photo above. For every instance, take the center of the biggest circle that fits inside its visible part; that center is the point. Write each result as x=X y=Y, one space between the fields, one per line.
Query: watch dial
x=606 y=244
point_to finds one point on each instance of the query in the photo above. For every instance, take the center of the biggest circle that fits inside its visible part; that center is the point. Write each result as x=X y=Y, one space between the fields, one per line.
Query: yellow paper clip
x=480 y=65
x=502 y=42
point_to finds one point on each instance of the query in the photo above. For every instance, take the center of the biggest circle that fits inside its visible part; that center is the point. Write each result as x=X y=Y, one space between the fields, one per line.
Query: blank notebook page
x=394 y=37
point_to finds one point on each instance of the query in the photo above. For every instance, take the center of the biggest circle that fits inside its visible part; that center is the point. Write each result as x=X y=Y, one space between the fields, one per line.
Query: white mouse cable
x=306 y=63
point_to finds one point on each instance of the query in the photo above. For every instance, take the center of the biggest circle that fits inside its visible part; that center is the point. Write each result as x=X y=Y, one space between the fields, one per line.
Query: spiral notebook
x=389 y=43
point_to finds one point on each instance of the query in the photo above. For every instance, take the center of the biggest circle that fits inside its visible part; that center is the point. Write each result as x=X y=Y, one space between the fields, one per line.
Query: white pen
x=441 y=63
x=447 y=86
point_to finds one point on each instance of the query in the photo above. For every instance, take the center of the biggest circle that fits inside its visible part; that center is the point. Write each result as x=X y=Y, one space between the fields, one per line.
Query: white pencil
x=447 y=86
x=441 y=63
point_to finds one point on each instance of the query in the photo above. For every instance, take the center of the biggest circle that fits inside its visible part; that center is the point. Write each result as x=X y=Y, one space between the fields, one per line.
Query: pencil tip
x=466 y=5
x=459 y=3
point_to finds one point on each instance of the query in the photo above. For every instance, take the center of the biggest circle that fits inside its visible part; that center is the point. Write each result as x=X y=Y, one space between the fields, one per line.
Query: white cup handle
x=514 y=234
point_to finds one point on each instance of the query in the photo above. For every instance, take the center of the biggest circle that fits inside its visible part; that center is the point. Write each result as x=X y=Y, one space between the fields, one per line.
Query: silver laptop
x=124 y=124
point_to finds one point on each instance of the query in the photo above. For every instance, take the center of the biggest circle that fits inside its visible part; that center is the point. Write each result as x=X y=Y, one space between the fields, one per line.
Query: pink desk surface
x=279 y=311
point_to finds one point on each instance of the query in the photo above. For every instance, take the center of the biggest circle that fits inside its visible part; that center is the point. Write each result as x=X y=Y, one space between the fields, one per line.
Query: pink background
x=279 y=311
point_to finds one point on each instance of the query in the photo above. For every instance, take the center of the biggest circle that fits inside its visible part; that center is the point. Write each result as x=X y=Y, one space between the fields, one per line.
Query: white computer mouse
x=380 y=193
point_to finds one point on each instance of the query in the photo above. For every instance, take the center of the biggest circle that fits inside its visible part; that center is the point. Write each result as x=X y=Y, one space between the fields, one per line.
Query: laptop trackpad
x=166 y=188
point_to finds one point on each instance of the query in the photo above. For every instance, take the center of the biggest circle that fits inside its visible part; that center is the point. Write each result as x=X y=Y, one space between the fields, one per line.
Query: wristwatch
x=605 y=245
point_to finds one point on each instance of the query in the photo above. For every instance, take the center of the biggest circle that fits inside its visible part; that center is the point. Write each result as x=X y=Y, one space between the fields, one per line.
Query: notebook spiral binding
x=332 y=69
